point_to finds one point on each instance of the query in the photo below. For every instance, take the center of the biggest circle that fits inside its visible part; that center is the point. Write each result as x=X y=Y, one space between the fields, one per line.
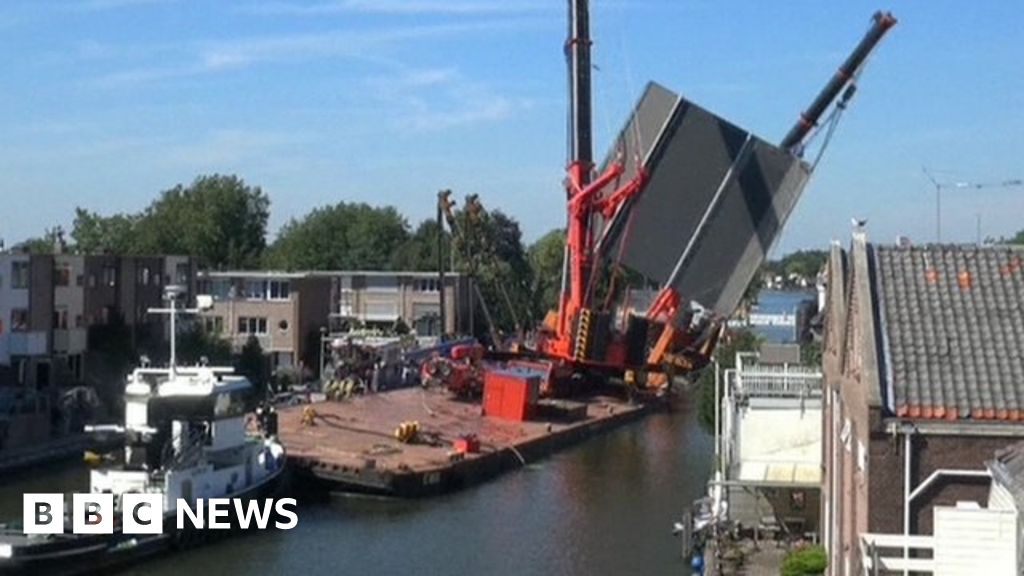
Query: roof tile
x=954 y=327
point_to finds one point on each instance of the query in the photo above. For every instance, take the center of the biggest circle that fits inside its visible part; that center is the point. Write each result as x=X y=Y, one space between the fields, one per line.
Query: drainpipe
x=833 y=502
x=908 y=431
x=718 y=419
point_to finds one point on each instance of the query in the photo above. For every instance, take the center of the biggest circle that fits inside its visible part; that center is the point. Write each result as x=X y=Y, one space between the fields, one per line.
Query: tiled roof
x=952 y=326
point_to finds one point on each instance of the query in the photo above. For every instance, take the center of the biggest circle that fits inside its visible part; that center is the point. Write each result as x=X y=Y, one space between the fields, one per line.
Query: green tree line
x=223 y=222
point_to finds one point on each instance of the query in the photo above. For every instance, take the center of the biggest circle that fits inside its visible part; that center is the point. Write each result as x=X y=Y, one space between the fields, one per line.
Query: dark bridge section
x=715 y=201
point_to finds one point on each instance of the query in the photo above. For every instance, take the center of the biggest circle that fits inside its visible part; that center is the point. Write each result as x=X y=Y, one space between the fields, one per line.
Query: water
x=603 y=507
x=779 y=302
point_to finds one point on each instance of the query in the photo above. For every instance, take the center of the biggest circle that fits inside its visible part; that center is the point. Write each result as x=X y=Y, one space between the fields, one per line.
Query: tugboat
x=187 y=435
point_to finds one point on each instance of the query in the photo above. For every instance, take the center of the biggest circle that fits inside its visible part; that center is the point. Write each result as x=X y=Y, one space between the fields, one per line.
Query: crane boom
x=881 y=23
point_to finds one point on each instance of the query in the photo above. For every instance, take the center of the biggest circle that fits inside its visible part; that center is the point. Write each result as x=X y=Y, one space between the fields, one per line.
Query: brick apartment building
x=48 y=303
x=924 y=382
x=286 y=311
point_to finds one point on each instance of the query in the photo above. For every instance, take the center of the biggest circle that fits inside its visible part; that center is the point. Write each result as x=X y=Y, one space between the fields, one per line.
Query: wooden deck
x=352 y=444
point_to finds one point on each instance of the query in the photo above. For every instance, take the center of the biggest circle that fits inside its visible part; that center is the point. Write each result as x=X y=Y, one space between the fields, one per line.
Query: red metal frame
x=583 y=203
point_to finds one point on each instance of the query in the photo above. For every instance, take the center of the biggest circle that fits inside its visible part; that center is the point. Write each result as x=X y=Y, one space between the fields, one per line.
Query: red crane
x=598 y=197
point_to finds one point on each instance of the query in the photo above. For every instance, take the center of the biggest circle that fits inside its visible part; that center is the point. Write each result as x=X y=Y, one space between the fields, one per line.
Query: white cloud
x=226 y=148
x=209 y=57
x=437 y=99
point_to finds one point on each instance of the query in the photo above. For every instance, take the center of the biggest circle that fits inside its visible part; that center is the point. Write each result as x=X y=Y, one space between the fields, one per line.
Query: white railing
x=788 y=381
x=895 y=553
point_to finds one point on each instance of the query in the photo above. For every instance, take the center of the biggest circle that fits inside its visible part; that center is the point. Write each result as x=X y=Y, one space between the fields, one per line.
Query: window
x=60 y=318
x=92 y=280
x=62 y=274
x=157 y=279
x=19 y=275
x=109 y=276
x=252 y=325
x=255 y=289
x=79 y=321
x=144 y=276
x=220 y=289
x=425 y=285
x=213 y=324
x=19 y=320
x=278 y=289
x=181 y=273
x=79 y=280
x=844 y=435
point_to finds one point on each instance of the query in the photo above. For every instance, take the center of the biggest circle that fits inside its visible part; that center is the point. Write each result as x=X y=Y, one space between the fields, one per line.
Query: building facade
x=924 y=381
x=383 y=298
x=285 y=311
x=49 y=304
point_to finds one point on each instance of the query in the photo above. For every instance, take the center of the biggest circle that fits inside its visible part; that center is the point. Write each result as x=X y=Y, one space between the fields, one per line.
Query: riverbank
x=47 y=453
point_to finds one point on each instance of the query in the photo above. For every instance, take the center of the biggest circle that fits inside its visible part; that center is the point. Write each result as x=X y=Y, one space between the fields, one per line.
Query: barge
x=354 y=446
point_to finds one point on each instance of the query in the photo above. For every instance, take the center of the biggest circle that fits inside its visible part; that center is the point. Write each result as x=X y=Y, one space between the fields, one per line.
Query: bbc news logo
x=144 y=513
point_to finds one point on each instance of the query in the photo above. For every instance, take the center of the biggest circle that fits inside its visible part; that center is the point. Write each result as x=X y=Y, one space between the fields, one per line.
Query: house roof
x=951 y=327
x=272 y=274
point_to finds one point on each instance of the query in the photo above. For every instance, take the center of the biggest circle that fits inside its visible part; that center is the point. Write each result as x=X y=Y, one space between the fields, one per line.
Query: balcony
x=968 y=540
x=777 y=381
x=73 y=341
x=27 y=343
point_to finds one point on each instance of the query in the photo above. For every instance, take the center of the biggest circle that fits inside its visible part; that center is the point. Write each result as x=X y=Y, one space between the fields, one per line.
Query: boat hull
x=75 y=555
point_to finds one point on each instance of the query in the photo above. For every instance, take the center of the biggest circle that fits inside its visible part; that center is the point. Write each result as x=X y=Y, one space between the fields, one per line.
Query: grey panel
x=638 y=138
x=715 y=202
x=640 y=134
x=741 y=227
x=691 y=160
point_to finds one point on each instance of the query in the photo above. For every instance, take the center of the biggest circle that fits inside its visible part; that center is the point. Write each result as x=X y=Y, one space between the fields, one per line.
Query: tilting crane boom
x=596 y=204
x=881 y=23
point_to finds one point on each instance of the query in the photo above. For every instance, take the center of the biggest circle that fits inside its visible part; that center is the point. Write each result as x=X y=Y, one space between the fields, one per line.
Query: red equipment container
x=511 y=394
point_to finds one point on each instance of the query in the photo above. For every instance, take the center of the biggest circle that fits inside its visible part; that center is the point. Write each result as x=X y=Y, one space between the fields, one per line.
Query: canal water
x=605 y=506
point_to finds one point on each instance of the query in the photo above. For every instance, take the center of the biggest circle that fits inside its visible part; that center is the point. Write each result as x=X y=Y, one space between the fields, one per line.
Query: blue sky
x=103 y=103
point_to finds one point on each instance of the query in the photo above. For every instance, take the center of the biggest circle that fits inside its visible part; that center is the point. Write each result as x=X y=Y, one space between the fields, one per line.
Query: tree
x=546 y=255
x=733 y=341
x=95 y=234
x=218 y=219
x=197 y=343
x=340 y=237
x=48 y=243
x=419 y=252
x=1018 y=239
x=252 y=365
x=490 y=248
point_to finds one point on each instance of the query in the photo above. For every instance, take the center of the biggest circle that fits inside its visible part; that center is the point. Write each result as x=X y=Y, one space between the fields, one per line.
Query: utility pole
x=443 y=198
x=940 y=186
